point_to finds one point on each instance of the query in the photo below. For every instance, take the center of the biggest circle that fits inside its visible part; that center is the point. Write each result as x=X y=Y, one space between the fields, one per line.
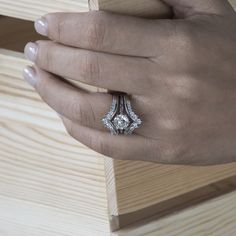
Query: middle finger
x=109 y=71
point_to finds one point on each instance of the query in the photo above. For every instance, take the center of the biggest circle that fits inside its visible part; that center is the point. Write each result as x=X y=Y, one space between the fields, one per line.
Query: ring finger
x=83 y=107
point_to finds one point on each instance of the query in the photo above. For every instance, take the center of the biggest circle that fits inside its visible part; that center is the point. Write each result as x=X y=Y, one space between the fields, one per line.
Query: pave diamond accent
x=133 y=116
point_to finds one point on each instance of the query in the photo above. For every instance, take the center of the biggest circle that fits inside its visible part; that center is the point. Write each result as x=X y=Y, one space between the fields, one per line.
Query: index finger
x=106 y=32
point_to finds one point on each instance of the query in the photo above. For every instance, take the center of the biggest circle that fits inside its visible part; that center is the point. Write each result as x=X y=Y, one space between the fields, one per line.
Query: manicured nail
x=31 y=50
x=29 y=74
x=41 y=26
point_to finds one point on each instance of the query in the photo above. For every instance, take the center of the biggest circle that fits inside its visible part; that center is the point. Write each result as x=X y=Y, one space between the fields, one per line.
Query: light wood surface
x=44 y=173
x=20 y=217
x=215 y=217
x=33 y=9
x=139 y=184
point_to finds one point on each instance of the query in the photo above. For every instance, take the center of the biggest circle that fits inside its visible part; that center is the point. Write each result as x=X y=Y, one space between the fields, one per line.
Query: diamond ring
x=121 y=119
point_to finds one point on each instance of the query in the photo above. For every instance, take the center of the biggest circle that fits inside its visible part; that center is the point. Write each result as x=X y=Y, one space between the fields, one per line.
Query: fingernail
x=31 y=50
x=29 y=74
x=41 y=26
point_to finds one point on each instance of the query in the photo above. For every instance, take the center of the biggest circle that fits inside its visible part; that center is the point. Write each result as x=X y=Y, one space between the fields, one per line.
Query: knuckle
x=96 y=30
x=45 y=57
x=59 y=28
x=79 y=112
x=43 y=89
x=91 y=68
x=57 y=24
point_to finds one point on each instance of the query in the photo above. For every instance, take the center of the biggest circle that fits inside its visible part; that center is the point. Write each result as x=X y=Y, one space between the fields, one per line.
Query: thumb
x=187 y=8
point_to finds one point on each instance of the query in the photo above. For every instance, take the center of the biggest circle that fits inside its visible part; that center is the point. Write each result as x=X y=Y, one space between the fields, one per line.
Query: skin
x=179 y=72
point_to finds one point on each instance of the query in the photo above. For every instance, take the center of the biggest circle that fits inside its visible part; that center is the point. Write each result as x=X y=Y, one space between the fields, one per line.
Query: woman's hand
x=181 y=74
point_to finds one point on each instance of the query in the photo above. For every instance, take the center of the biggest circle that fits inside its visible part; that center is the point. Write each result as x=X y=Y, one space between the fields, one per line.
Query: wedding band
x=121 y=119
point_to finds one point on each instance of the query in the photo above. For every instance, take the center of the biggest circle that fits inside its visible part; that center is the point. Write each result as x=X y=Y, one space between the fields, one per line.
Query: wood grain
x=33 y=9
x=215 y=217
x=19 y=217
x=43 y=171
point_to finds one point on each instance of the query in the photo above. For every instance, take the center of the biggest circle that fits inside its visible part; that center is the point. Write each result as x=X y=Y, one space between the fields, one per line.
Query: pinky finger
x=123 y=147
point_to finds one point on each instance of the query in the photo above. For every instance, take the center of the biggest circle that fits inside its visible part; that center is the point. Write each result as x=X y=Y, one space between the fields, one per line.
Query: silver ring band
x=121 y=119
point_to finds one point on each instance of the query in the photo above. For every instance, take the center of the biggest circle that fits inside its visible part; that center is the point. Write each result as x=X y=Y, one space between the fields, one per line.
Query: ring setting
x=121 y=119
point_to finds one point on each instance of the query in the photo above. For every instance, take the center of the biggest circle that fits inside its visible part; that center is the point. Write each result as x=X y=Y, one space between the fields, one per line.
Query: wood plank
x=215 y=217
x=44 y=172
x=24 y=218
x=31 y=10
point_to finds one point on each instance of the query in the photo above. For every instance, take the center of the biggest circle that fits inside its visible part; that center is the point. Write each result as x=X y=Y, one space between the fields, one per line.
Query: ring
x=121 y=119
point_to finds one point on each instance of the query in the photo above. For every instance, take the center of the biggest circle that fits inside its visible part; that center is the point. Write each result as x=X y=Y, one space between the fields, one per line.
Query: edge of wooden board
x=181 y=202
x=214 y=216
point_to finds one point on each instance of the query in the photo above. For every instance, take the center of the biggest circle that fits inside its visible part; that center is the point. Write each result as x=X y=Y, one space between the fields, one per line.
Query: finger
x=188 y=8
x=85 y=108
x=105 y=32
x=123 y=147
x=109 y=71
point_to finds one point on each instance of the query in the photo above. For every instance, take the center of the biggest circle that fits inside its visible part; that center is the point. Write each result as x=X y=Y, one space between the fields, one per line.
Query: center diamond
x=121 y=121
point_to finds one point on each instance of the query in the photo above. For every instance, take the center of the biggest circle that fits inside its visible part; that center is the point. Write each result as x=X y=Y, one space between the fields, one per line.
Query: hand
x=180 y=72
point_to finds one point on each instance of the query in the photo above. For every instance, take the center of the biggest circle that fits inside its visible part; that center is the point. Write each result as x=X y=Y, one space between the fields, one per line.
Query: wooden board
x=47 y=179
x=215 y=217
x=33 y=9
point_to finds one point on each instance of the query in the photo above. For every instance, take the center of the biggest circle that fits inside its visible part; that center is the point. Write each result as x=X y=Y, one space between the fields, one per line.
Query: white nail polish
x=41 y=26
x=31 y=50
x=29 y=74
